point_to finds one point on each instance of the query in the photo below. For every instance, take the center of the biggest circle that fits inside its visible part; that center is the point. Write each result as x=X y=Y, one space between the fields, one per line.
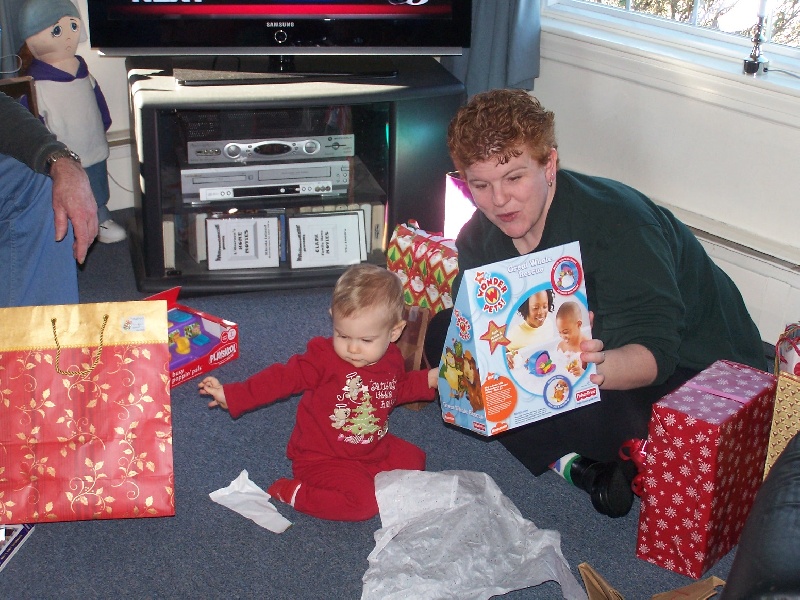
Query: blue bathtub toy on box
x=512 y=352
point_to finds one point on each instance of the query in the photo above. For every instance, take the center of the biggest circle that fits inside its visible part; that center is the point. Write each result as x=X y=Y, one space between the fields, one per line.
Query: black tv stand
x=284 y=68
x=400 y=158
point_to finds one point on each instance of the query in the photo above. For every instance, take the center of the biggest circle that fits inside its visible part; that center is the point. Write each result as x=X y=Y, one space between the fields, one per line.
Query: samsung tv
x=277 y=27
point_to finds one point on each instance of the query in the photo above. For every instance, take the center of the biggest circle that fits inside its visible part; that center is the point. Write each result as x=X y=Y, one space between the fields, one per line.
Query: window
x=737 y=17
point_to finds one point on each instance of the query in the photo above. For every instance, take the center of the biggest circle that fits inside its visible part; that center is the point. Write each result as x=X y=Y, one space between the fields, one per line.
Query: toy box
x=501 y=369
x=705 y=456
x=198 y=342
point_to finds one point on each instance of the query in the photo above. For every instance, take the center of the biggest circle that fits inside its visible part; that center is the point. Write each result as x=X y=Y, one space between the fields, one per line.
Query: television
x=279 y=27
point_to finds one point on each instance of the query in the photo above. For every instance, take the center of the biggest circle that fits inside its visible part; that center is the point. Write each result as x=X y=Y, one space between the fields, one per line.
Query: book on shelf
x=378 y=231
x=243 y=241
x=196 y=236
x=327 y=239
x=168 y=233
x=234 y=241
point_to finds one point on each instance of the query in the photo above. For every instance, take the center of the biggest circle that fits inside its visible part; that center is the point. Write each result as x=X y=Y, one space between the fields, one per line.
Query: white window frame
x=711 y=59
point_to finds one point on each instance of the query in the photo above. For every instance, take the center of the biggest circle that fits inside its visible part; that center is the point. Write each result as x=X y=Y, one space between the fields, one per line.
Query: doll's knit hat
x=37 y=15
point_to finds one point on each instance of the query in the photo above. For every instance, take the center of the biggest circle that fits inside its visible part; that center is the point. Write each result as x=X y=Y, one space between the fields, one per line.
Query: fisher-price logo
x=492 y=289
x=585 y=395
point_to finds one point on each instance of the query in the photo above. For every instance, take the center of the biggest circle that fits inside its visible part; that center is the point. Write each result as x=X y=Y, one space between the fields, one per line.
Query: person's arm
x=639 y=313
x=24 y=137
x=415 y=386
x=73 y=201
x=300 y=373
x=625 y=368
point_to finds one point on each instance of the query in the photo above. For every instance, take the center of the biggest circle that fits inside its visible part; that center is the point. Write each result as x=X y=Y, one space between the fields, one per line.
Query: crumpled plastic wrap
x=455 y=535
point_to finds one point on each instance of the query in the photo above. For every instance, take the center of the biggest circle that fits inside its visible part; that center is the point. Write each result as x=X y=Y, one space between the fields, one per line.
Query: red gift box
x=706 y=450
x=427 y=263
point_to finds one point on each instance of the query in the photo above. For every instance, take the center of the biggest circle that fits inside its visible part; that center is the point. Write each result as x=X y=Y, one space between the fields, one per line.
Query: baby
x=350 y=383
x=569 y=323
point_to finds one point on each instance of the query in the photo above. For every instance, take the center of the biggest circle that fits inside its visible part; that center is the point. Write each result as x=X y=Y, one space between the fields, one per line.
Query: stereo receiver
x=293 y=148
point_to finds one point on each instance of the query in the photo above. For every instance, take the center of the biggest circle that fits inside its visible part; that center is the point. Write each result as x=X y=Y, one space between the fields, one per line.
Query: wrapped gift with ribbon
x=786 y=416
x=426 y=262
x=706 y=447
x=86 y=431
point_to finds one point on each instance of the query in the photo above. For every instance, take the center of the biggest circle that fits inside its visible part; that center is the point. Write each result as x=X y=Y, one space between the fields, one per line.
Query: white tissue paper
x=455 y=535
x=246 y=498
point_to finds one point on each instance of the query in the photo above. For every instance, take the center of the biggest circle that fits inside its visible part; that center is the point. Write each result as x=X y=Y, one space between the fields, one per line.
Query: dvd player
x=269 y=180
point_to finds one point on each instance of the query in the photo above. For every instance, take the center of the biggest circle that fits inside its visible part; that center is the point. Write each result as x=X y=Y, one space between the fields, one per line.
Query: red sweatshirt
x=344 y=410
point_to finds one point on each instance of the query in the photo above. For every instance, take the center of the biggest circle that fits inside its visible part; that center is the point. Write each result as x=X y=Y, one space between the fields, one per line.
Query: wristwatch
x=59 y=154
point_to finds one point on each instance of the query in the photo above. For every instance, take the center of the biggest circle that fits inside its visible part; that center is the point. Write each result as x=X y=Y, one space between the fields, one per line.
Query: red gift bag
x=86 y=428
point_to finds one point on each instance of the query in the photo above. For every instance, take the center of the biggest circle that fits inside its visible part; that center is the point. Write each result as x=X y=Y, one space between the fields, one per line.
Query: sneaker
x=109 y=232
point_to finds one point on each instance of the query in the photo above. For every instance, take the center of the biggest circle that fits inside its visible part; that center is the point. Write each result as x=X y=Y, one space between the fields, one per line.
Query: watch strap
x=59 y=154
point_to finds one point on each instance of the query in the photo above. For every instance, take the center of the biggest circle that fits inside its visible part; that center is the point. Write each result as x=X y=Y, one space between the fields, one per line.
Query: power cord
x=791 y=73
x=12 y=71
x=119 y=185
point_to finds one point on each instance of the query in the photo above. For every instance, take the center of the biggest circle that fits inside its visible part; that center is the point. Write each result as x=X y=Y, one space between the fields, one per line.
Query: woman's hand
x=592 y=351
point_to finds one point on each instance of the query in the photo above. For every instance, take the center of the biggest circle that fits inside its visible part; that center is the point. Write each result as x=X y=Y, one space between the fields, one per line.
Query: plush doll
x=70 y=101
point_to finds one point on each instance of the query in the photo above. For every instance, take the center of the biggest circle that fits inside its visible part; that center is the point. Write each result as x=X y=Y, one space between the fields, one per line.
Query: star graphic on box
x=496 y=336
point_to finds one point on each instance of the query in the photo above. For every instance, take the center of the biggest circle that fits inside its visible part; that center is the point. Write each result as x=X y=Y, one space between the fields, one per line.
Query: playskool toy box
x=198 y=341
x=511 y=355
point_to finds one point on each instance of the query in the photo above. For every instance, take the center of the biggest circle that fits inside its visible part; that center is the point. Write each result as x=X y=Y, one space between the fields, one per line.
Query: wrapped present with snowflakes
x=426 y=262
x=705 y=456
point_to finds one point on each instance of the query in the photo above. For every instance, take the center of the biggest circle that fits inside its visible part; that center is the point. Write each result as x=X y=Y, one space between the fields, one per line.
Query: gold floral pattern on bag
x=785 y=417
x=86 y=443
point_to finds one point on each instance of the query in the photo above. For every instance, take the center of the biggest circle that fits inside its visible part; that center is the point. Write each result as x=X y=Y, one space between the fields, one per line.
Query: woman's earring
x=550 y=183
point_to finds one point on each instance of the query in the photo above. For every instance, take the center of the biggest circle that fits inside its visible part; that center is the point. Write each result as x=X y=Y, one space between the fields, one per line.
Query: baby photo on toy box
x=512 y=352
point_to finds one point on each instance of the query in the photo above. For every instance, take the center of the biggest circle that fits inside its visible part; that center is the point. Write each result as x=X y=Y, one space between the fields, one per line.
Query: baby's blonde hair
x=368 y=286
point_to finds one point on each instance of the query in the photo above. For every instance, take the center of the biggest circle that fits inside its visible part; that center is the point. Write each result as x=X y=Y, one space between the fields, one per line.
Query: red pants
x=344 y=490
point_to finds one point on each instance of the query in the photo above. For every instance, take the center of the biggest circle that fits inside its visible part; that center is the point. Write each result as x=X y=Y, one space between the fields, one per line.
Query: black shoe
x=607 y=485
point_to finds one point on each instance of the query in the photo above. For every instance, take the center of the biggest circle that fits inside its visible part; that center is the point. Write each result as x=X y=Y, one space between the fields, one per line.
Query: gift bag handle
x=789 y=336
x=95 y=360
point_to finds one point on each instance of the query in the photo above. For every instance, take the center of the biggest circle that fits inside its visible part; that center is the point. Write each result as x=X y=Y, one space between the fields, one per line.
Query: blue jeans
x=34 y=268
x=98 y=179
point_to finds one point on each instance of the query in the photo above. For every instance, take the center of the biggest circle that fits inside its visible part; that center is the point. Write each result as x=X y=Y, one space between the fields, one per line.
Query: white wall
x=723 y=155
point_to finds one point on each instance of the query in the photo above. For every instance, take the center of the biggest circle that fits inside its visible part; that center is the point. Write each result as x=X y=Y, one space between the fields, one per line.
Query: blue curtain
x=9 y=42
x=504 y=52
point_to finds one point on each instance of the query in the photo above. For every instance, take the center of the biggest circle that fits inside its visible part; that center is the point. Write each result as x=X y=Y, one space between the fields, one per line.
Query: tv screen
x=275 y=27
